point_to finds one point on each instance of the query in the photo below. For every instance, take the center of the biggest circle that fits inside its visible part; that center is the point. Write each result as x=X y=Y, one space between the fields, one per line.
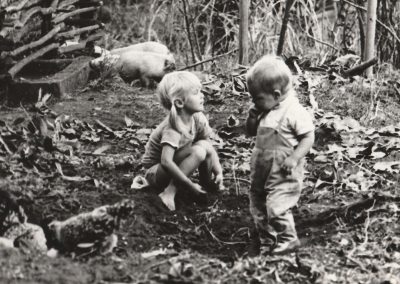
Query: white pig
x=132 y=65
x=148 y=46
x=146 y=66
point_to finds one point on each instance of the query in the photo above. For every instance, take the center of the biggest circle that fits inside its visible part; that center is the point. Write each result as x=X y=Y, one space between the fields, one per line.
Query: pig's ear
x=169 y=65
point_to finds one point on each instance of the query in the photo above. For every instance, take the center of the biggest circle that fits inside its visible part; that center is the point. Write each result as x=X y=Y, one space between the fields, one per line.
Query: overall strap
x=278 y=129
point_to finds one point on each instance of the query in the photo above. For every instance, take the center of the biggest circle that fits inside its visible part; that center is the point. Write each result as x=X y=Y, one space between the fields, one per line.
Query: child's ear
x=277 y=94
x=178 y=103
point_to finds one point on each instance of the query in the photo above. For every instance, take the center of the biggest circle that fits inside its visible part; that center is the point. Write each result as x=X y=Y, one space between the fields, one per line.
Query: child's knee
x=206 y=145
x=199 y=152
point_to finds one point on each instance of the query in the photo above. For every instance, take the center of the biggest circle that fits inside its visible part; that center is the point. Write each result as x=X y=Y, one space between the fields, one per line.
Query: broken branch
x=73 y=33
x=80 y=45
x=359 y=69
x=210 y=59
x=17 y=67
x=34 y=44
x=73 y=13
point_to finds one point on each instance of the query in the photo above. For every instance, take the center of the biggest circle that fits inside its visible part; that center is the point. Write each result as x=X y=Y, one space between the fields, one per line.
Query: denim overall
x=273 y=192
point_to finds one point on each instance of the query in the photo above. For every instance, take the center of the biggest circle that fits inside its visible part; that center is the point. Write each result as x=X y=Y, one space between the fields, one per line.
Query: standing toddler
x=284 y=134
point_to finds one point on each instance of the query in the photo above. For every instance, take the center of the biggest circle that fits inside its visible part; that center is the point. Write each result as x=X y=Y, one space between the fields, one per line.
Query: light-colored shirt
x=296 y=122
x=165 y=134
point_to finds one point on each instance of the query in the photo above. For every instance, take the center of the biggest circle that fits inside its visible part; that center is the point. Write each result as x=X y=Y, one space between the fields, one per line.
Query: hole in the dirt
x=220 y=229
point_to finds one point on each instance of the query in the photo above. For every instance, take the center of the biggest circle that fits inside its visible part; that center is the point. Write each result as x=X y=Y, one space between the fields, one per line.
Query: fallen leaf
x=102 y=149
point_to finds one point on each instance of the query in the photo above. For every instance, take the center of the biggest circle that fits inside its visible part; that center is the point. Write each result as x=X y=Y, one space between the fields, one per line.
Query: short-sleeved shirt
x=296 y=122
x=166 y=134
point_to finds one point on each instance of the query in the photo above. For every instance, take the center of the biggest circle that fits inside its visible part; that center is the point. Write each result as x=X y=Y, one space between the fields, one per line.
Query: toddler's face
x=264 y=100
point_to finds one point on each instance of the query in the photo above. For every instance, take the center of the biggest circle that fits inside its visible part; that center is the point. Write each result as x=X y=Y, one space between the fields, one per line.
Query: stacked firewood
x=35 y=29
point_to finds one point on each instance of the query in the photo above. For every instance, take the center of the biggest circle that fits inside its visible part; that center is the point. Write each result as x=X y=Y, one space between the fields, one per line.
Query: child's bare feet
x=168 y=197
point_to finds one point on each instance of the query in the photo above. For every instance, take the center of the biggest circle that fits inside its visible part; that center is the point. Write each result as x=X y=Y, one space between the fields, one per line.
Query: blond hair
x=173 y=86
x=269 y=73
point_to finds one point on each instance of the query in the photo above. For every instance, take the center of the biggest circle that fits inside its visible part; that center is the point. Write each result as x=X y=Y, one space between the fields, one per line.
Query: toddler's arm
x=252 y=121
x=304 y=146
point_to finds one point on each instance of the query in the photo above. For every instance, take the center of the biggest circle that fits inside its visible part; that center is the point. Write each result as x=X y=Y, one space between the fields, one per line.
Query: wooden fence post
x=370 y=37
x=244 y=32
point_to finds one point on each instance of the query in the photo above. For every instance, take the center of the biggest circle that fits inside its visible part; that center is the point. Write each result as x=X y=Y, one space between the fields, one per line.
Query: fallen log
x=18 y=7
x=78 y=22
x=26 y=5
x=33 y=44
x=32 y=12
x=17 y=67
x=71 y=34
x=81 y=44
x=67 y=3
x=6 y=3
x=359 y=69
x=346 y=212
x=62 y=17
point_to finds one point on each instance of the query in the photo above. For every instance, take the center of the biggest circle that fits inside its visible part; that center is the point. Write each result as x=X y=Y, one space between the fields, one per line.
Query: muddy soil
x=217 y=230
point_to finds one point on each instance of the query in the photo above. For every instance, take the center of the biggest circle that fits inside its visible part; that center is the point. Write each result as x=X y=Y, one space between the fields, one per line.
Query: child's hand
x=219 y=178
x=254 y=112
x=196 y=188
x=289 y=164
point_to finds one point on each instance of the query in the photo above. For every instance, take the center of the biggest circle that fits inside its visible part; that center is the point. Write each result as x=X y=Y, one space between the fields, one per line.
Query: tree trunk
x=244 y=32
x=370 y=37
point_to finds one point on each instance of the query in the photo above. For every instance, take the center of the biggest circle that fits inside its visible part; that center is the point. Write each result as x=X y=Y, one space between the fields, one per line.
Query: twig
x=234 y=177
x=367 y=223
x=365 y=169
x=218 y=240
x=239 y=179
x=357 y=262
x=154 y=16
x=322 y=42
x=210 y=59
x=5 y=145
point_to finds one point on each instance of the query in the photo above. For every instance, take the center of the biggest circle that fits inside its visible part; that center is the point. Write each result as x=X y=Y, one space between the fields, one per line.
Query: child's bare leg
x=206 y=168
x=191 y=161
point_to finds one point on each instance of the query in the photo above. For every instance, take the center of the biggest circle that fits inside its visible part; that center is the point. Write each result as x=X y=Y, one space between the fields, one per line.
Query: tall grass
x=197 y=30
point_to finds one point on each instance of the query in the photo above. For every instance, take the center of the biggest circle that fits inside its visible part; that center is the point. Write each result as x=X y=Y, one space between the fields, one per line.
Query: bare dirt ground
x=198 y=243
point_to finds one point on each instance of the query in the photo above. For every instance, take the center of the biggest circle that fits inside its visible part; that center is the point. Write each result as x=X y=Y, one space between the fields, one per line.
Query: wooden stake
x=370 y=38
x=244 y=32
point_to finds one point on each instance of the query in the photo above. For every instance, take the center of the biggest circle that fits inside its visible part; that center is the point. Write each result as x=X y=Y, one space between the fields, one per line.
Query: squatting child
x=180 y=144
x=284 y=134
